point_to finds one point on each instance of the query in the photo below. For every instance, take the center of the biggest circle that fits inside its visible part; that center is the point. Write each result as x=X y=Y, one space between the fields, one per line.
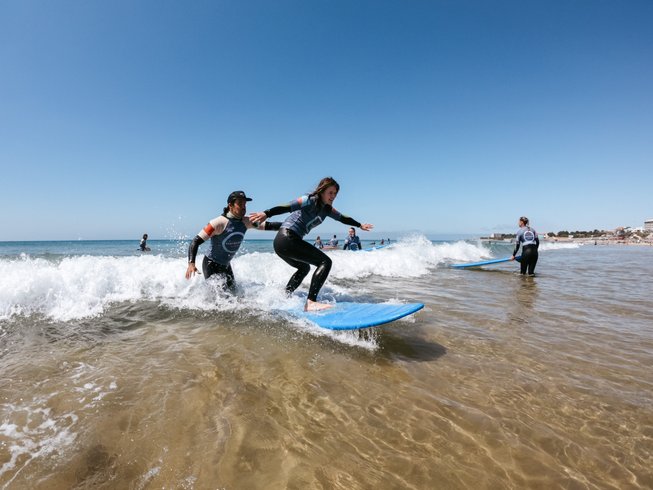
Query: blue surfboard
x=375 y=247
x=352 y=316
x=485 y=262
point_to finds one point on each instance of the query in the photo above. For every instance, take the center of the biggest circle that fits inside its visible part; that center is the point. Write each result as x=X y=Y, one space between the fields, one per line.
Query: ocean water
x=119 y=373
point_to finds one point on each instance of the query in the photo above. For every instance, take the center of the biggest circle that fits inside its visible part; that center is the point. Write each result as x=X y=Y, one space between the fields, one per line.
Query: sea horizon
x=368 y=236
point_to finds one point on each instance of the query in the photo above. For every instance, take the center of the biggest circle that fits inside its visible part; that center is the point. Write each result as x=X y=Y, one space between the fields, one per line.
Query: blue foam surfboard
x=485 y=262
x=374 y=247
x=352 y=316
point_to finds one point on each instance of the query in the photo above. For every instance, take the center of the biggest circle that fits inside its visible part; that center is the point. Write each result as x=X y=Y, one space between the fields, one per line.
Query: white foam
x=33 y=430
x=40 y=434
x=84 y=286
x=546 y=245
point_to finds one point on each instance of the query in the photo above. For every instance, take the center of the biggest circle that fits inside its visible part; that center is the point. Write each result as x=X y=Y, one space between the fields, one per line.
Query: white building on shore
x=648 y=225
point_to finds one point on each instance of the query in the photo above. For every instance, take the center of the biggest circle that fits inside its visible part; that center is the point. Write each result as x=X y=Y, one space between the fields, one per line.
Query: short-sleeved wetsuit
x=226 y=233
x=530 y=242
x=354 y=240
x=307 y=212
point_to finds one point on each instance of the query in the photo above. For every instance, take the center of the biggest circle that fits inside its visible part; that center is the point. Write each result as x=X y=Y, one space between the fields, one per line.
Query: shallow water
x=117 y=373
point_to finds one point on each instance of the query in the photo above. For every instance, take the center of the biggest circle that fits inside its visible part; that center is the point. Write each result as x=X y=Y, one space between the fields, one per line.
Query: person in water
x=226 y=233
x=318 y=243
x=530 y=242
x=306 y=213
x=352 y=242
x=143 y=246
x=333 y=242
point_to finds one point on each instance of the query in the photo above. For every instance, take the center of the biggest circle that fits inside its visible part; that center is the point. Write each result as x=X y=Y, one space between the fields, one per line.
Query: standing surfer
x=306 y=213
x=530 y=242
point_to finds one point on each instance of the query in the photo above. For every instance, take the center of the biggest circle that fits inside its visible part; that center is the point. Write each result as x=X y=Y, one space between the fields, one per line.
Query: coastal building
x=648 y=225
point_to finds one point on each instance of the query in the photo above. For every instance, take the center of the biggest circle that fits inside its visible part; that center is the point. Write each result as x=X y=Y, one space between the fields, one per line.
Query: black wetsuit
x=307 y=213
x=527 y=237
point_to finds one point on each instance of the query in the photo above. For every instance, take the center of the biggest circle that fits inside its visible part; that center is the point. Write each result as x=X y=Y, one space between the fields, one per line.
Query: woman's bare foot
x=315 y=306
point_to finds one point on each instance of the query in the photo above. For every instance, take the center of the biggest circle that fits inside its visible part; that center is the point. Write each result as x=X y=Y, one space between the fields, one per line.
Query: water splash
x=84 y=286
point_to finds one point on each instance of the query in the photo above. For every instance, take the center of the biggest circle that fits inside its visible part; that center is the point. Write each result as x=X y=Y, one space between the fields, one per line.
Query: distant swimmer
x=333 y=242
x=318 y=243
x=143 y=246
x=352 y=242
x=226 y=233
x=530 y=242
x=306 y=213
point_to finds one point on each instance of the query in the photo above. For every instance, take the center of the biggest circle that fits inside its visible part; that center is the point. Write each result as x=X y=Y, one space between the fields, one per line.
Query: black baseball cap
x=237 y=195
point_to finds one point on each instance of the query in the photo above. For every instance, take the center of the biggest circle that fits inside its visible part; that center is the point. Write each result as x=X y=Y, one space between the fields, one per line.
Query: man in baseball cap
x=237 y=195
x=226 y=233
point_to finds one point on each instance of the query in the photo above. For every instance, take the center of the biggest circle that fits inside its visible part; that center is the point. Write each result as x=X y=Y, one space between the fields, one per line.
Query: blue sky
x=124 y=117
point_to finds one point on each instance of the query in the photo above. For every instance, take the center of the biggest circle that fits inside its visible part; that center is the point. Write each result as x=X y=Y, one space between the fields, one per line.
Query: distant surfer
x=143 y=245
x=306 y=213
x=226 y=233
x=333 y=242
x=318 y=243
x=352 y=242
x=530 y=242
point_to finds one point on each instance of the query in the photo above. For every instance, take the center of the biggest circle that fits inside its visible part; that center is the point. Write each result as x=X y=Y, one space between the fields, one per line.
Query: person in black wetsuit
x=143 y=245
x=306 y=213
x=226 y=233
x=530 y=242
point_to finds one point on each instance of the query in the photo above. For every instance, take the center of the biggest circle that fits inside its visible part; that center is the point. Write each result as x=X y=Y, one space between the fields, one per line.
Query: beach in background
x=119 y=373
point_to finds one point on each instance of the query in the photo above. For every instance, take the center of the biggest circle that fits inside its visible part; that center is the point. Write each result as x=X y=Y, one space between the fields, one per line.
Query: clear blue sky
x=442 y=116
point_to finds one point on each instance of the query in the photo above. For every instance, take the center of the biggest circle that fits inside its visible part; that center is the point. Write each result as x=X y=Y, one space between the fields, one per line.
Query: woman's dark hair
x=524 y=220
x=324 y=184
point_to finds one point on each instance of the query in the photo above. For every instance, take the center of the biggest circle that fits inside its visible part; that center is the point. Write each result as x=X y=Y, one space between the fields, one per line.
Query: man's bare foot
x=315 y=306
